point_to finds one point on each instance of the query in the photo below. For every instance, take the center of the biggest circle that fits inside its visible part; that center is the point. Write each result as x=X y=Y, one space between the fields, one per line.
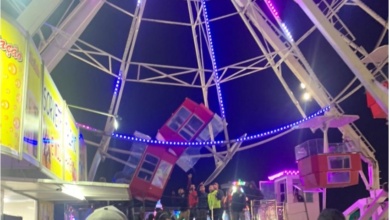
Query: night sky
x=254 y=104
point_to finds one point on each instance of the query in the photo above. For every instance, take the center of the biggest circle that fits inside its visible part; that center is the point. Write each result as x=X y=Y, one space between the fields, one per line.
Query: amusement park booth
x=284 y=198
x=42 y=152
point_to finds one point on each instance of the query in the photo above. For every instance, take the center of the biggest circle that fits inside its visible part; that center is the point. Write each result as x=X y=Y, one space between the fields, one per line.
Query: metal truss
x=56 y=40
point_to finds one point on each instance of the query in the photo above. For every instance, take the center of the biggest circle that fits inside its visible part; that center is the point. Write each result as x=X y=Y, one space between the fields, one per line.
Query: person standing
x=203 y=205
x=238 y=204
x=214 y=203
x=192 y=197
x=254 y=196
x=182 y=202
x=219 y=195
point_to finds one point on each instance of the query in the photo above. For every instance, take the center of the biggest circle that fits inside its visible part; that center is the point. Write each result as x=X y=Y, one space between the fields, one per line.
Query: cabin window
x=147 y=168
x=179 y=118
x=339 y=162
x=339 y=177
x=162 y=174
x=189 y=130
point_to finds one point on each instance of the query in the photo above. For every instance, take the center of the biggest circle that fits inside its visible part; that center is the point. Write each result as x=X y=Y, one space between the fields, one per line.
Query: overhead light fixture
x=72 y=190
x=303 y=86
x=306 y=96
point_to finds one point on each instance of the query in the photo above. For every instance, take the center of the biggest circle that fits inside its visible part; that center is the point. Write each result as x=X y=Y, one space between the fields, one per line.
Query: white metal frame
x=268 y=35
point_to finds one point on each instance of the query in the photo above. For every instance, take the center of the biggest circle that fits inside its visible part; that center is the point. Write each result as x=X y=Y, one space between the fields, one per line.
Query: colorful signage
x=71 y=147
x=12 y=59
x=32 y=112
x=52 y=156
x=34 y=119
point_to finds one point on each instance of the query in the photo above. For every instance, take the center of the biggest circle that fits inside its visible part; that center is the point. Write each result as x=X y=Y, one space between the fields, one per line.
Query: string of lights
x=220 y=142
x=213 y=61
x=118 y=83
x=279 y=20
x=86 y=127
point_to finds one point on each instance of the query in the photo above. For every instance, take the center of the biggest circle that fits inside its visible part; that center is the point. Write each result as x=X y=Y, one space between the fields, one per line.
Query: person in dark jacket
x=203 y=205
x=238 y=204
x=254 y=195
x=182 y=203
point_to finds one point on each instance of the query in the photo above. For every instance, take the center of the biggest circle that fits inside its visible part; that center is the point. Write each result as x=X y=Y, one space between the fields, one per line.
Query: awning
x=53 y=190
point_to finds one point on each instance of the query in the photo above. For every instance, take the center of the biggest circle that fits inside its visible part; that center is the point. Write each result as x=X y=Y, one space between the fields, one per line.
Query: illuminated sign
x=12 y=86
x=32 y=112
x=71 y=147
x=52 y=155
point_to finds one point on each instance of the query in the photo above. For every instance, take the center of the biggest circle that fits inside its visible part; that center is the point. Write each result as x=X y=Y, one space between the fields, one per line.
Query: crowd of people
x=201 y=204
x=197 y=203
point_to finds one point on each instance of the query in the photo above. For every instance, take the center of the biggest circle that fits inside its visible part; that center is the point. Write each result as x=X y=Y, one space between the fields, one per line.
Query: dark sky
x=254 y=104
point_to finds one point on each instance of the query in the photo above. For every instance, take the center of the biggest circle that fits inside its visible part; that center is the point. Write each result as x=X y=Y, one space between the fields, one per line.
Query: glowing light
x=306 y=96
x=73 y=190
x=239 y=183
x=213 y=61
x=118 y=83
x=30 y=141
x=284 y=173
x=303 y=86
x=271 y=7
x=116 y=124
x=86 y=127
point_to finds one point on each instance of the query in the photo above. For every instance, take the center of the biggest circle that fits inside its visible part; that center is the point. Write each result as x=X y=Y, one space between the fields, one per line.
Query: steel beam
x=299 y=66
x=116 y=99
x=32 y=18
x=73 y=26
x=345 y=52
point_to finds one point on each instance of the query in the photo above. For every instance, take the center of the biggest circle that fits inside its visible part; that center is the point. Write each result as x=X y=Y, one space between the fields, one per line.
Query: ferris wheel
x=138 y=42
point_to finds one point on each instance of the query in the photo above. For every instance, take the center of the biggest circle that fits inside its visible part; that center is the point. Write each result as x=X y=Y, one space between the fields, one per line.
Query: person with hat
x=107 y=213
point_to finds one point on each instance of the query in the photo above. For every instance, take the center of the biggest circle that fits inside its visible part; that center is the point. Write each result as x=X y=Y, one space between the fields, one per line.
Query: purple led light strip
x=284 y=173
x=279 y=20
x=118 y=83
x=214 y=63
x=221 y=142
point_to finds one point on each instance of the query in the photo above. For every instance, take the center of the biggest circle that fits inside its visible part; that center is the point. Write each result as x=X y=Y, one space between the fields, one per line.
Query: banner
x=13 y=54
x=32 y=112
x=52 y=156
x=71 y=147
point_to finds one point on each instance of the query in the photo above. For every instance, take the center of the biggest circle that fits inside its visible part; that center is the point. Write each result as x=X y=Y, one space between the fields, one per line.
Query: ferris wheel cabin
x=153 y=164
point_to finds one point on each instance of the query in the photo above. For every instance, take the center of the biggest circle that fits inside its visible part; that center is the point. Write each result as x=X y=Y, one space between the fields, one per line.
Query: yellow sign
x=32 y=112
x=52 y=156
x=12 y=60
x=71 y=146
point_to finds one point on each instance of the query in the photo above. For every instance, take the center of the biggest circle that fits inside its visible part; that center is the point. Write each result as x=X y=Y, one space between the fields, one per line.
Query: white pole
x=326 y=141
x=2 y=202
x=323 y=198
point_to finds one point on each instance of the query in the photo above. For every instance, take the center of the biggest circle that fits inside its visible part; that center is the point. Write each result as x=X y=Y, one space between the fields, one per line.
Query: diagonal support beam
x=30 y=20
x=302 y=70
x=116 y=99
x=345 y=52
x=73 y=26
